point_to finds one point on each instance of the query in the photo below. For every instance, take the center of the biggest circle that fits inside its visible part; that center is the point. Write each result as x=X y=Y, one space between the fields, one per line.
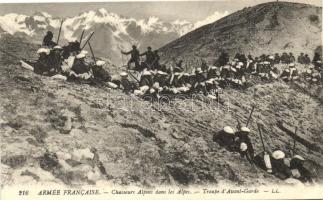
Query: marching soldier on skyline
x=135 y=56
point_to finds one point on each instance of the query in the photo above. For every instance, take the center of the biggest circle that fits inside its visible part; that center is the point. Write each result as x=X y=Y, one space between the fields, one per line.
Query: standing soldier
x=47 y=41
x=135 y=57
x=156 y=63
x=149 y=58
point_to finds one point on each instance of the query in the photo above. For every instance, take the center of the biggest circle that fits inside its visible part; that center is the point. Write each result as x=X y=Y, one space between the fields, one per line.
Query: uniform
x=135 y=57
x=226 y=138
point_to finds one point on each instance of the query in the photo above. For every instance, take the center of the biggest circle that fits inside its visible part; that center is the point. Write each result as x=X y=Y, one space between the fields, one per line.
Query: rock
x=14 y=161
x=75 y=131
x=79 y=154
x=64 y=165
x=49 y=161
x=176 y=136
x=63 y=155
x=93 y=175
x=294 y=182
x=72 y=163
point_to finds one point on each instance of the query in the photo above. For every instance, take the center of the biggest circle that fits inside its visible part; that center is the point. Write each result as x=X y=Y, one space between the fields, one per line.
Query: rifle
x=18 y=58
x=133 y=76
x=250 y=115
x=239 y=124
x=87 y=40
x=59 y=33
x=81 y=37
x=294 y=146
x=92 y=51
x=262 y=141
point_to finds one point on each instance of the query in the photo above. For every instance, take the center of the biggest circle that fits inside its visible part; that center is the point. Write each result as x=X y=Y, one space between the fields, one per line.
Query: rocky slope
x=138 y=142
x=266 y=28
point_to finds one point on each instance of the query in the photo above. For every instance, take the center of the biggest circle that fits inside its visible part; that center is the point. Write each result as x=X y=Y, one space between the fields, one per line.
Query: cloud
x=210 y=19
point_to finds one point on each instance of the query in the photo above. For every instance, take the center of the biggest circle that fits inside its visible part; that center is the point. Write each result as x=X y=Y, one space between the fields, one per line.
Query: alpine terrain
x=59 y=132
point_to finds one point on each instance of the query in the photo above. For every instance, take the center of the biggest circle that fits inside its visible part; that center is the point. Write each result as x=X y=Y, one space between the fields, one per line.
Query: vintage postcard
x=219 y=99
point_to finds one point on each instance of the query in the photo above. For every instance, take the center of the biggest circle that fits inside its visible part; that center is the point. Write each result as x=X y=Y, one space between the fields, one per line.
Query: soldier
x=284 y=58
x=55 y=59
x=156 y=63
x=307 y=60
x=223 y=59
x=149 y=58
x=278 y=166
x=204 y=66
x=316 y=77
x=212 y=73
x=146 y=79
x=47 y=41
x=135 y=57
x=299 y=171
x=80 y=70
x=41 y=65
x=316 y=58
x=243 y=139
x=277 y=58
x=263 y=161
x=293 y=72
x=291 y=58
x=178 y=66
x=226 y=138
x=99 y=73
x=290 y=74
x=300 y=58
x=126 y=85
x=199 y=84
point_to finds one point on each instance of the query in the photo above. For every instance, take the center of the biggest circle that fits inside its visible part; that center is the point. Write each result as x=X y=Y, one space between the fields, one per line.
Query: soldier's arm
x=126 y=53
x=145 y=53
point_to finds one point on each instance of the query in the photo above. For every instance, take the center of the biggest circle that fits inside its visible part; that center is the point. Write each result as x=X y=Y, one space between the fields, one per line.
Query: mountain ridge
x=265 y=28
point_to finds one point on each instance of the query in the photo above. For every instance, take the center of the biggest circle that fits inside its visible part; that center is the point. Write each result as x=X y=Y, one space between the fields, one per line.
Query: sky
x=192 y=11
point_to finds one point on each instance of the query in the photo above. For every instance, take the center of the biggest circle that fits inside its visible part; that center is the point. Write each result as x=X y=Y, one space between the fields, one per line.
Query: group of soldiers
x=68 y=62
x=152 y=78
x=155 y=79
x=275 y=163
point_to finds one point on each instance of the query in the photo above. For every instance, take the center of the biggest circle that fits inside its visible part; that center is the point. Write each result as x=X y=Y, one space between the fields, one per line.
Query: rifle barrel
x=5 y=52
x=81 y=37
x=87 y=40
x=59 y=33
x=91 y=51
x=262 y=140
x=294 y=146
x=249 y=118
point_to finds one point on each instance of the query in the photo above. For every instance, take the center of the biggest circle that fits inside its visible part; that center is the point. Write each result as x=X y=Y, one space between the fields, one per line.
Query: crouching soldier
x=41 y=65
x=55 y=59
x=246 y=148
x=226 y=138
x=99 y=73
x=278 y=165
x=299 y=171
x=125 y=84
x=316 y=77
x=80 y=70
x=263 y=161
x=290 y=74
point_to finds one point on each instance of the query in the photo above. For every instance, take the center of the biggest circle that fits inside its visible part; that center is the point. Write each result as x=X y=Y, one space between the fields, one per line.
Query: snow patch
x=13 y=23
x=210 y=19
